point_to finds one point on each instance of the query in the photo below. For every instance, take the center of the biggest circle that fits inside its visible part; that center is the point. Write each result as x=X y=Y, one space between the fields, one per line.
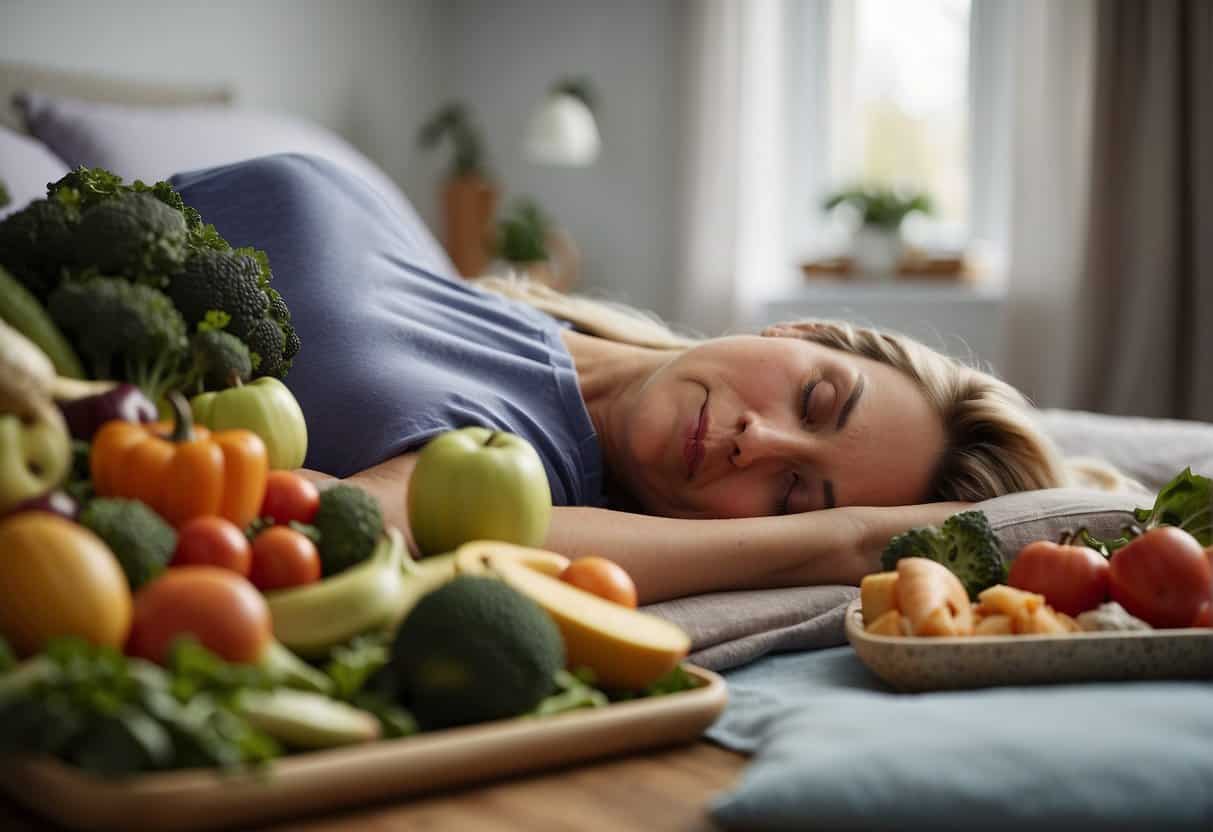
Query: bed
x=831 y=746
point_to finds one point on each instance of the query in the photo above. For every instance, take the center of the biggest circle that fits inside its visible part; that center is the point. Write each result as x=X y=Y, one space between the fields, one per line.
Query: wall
x=366 y=68
x=502 y=57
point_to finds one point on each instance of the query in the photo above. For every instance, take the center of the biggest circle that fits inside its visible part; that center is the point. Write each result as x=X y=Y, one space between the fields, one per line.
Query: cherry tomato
x=216 y=606
x=213 y=541
x=288 y=497
x=1204 y=618
x=283 y=557
x=603 y=578
x=1162 y=577
x=1072 y=579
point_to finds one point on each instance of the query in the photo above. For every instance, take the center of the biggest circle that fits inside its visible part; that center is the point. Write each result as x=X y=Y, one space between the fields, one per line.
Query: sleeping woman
x=784 y=458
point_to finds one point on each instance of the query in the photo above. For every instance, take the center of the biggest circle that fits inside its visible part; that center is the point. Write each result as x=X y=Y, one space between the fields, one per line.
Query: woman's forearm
x=670 y=558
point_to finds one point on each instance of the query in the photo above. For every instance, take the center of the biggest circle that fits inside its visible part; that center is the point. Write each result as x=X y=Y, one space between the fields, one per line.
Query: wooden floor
x=654 y=791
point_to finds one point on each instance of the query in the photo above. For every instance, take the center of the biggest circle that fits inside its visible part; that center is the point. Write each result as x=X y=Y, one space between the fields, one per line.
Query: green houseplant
x=522 y=233
x=876 y=245
x=469 y=197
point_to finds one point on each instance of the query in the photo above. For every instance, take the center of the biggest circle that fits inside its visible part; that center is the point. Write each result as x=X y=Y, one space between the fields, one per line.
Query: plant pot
x=468 y=205
x=876 y=252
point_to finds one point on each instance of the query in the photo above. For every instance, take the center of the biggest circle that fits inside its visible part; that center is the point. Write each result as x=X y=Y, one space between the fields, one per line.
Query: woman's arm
x=670 y=558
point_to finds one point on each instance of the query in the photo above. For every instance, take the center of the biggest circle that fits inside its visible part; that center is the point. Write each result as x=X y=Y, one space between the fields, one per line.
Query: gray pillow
x=1021 y=518
x=155 y=143
x=26 y=168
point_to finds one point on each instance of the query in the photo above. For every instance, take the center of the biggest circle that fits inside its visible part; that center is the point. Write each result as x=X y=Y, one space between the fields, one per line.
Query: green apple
x=267 y=408
x=478 y=484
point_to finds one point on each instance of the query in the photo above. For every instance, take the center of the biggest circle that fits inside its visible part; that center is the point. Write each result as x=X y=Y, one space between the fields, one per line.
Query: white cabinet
x=960 y=319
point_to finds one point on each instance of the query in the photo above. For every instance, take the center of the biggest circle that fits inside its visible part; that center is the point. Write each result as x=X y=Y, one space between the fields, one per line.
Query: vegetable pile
x=1157 y=574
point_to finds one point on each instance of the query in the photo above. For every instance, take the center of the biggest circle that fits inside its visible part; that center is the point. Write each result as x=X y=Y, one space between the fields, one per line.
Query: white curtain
x=1033 y=77
x=732 y=239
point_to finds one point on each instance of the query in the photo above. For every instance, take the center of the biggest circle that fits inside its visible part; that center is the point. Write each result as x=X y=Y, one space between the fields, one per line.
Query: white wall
x=503 y=56
x=369 y=69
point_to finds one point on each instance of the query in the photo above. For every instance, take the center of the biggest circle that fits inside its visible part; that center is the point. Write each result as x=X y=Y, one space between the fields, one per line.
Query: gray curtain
x=1147 y=295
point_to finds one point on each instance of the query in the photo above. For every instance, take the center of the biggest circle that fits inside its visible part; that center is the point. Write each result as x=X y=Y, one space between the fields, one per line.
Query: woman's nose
x=758 y=439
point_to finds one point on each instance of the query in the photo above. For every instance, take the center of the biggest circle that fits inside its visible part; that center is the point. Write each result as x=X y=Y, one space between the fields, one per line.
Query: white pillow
x=26 y=168
x=154 y=143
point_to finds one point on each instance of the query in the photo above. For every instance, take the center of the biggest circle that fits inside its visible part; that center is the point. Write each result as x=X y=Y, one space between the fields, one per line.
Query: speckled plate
x=920 y=664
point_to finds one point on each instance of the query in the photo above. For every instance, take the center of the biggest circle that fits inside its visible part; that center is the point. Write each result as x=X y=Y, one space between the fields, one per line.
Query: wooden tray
x=921 y=664
x=323 y=780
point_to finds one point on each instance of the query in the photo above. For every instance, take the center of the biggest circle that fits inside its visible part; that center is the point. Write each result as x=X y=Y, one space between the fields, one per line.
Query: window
x=891 y=81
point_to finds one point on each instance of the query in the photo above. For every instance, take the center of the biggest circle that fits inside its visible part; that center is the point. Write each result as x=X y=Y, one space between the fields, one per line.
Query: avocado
x=302 y=719
x=474 y=650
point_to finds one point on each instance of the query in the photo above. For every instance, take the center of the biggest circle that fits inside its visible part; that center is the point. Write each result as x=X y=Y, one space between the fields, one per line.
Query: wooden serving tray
x=922 y=664
x=315 y=781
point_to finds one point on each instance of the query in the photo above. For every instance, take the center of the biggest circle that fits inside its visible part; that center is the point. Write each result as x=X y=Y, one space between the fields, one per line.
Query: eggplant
x=54 y=502
x=126 y=402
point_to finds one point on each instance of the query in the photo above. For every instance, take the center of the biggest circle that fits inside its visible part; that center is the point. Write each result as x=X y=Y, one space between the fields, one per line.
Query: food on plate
x=314 y=618
x=1162 y=577
x=878 y=594
x=219 y=608
x=478 y=484
x=213 y=541
x=303 y=719
x=603 y=578
x=126 y=402
x=289 y=498
x=22 y=311
x=180 y=470
x=264 y=406
x=626 y=649
x=1110 y=616
x=932 y=599
x=965 y=544
x=1072 y=578
x=889 y=623
x=472 y=558
x=472 y=650
x=350 y=524
x=282 y=558
x=59 y=579
x=138 y=536
x=1027 y=613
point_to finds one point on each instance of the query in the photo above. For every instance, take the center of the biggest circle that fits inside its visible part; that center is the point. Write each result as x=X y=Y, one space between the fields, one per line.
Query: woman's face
x=750 y=426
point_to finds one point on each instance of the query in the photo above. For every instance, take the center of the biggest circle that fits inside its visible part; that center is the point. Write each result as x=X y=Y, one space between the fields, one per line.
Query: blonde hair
x=993 y=444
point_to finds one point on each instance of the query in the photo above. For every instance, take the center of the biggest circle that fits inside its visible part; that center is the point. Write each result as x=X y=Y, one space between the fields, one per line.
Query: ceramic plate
x=921 y=664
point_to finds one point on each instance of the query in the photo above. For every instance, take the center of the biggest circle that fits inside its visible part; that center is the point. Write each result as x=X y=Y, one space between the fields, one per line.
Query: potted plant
x=522 y=240
x=877 y=245
x=469 y=198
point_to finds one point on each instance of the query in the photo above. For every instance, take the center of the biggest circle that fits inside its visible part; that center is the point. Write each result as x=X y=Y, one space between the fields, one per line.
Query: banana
x=374 y=595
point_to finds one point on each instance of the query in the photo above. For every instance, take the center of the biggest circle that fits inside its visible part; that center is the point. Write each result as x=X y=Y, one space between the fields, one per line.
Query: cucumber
x=21 y=310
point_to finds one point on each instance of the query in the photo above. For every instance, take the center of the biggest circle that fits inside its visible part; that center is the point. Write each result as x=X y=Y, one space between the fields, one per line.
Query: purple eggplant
x=126 y=402
x=54 y=502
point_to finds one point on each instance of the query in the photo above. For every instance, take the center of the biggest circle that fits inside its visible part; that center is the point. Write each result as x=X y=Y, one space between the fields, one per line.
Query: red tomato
x=603 y=578
x=1072 y=579
x=283 y=557
x=288 y=497
x=213 y=541
x=1204 y=618
x=216 y=606
x=1162 y=577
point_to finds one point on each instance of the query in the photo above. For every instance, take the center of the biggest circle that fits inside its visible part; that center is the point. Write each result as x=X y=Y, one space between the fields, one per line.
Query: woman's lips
x=693 y=449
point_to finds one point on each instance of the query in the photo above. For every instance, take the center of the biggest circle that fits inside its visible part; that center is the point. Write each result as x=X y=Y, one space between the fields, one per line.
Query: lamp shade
x=563 y=132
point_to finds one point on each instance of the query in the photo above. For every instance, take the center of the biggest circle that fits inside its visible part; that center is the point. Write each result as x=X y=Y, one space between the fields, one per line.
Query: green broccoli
x=223 y=281
x=82 y=188
x=124 y=330
x=138 y=537
x=965 y=544
x=219 y=359
x=35 y=245
x=267 y=343
x=136 y=236
x=350 y=523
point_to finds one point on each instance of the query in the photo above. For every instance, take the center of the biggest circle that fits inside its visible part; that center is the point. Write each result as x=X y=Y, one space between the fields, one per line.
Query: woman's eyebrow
x=849 y=404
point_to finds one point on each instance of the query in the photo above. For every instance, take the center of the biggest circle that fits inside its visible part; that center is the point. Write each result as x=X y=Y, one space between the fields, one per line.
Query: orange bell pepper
x=180 y=470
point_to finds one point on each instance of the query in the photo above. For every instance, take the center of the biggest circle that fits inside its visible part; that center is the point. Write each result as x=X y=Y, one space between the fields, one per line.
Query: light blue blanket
x=834 y=748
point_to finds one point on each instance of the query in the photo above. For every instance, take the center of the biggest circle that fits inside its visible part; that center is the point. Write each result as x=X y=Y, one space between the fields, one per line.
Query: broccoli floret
x=224 y=281
x=135 y=235
x=83 y=188
x=138 y=537
x=965 y=544
x=267 y=342
x=220 y=359
x=35 y=244
x=124 y=330
x=349 y=523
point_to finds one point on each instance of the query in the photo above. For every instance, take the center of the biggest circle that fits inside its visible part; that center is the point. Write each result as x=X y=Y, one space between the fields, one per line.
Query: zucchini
x=22 y=311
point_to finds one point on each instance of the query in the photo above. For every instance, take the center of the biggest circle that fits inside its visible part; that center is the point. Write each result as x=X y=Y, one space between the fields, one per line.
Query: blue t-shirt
x=396 y=349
